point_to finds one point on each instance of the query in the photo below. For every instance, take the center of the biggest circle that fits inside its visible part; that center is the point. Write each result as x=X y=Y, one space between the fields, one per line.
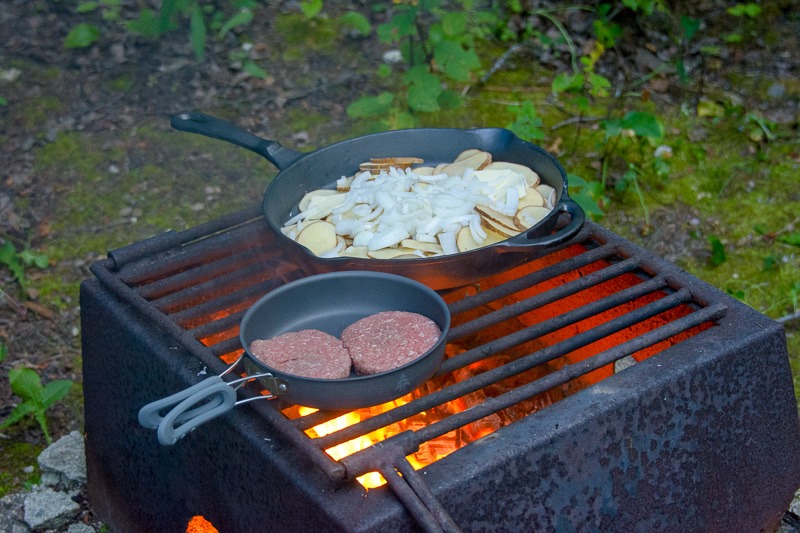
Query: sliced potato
x=424 y=171
x=310 y=195
x=496 y=216
x=527 y=217
x=318 y=237
x=397 y=161
x=467 y=153
x=548 y=193
x=355 y=251
x=475 y=162
x=490 y=225
x=531 y=177
x=391 y=253
x=430 y=247
x=343 y=183
x=321 y=205
x=465 y=241
x=532 y=198
x=492 y=237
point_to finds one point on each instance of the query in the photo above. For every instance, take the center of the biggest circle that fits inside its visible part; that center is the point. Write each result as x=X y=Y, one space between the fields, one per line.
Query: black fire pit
x=596 y=389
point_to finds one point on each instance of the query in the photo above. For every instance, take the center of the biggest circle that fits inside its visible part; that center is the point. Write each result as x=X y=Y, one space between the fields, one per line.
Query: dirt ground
x=117 y=96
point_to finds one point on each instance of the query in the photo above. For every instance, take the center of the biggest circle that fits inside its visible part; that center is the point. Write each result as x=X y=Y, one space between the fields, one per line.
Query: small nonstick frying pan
x=327 y=302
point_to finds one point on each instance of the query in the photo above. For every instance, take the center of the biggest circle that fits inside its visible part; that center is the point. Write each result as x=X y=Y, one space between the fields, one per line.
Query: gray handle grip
x=188 y=409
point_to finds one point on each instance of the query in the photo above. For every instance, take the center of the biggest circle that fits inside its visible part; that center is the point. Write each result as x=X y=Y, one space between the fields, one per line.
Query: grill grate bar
x=553 y=295
x=171 y=239
x=212 y=269
x=241 y=277
x=371 y=456
x=570 y=372
x=548 y=326
x=218 y=326
x=195 y=253
x=508 y=370
x=223 y=303
x=496 y=346
x=534 y=278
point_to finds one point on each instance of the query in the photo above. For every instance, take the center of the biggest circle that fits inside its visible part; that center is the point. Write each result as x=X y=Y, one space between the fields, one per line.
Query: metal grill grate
x=198 y=284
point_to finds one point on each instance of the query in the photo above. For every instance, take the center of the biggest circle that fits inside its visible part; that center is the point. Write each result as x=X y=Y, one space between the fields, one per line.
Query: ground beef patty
x=388 y=340
x=309 y=353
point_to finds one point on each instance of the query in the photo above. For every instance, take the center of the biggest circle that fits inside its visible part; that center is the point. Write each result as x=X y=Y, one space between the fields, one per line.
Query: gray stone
x=622 y=364
x=63 y=463
x=80 y=528
x=11 y=519
x=48 y=509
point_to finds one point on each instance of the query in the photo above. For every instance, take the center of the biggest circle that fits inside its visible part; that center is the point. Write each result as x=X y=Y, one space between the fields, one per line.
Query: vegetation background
x=678 y=124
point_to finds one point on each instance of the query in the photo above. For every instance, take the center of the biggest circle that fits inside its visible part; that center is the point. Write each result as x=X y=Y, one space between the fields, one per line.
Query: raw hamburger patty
x=309 y=353
x=388 y=340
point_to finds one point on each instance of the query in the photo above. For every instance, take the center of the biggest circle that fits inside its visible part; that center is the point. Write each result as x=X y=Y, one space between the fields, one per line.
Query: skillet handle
x=213 y=395
x=202 y=124
x=577 y=218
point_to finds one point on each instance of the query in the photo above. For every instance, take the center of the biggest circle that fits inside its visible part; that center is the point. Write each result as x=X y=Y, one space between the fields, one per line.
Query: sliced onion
x=387 y=238
x=448 y=242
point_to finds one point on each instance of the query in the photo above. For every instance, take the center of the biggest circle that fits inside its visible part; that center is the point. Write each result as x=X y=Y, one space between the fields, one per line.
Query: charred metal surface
x=701 y=436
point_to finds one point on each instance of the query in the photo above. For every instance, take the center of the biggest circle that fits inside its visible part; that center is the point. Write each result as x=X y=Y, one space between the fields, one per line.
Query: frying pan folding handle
x=577 y=219
x=188 y=409
x=194 y=122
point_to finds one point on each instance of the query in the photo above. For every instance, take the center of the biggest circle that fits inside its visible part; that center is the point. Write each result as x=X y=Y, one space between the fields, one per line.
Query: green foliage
x=747 y=14
x=590 y=195
x=792 y=238
x=638 y=123
x=36 y=398
x=437 y=46
x=82 y=35
x=718 y=255
x=202 y=18
x=16 y=262
x=311 y=8
x=527 y=124
x=357 y=21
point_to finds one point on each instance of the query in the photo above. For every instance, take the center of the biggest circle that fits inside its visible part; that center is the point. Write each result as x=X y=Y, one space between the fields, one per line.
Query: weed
x=16 y=262
x=36 y=398
x=203 y=19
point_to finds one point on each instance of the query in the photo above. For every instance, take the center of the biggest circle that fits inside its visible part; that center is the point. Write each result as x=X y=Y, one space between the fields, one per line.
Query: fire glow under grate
x=536 y=418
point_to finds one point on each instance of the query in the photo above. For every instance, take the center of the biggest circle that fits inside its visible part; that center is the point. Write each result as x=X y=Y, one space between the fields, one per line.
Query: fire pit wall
x=703 y=436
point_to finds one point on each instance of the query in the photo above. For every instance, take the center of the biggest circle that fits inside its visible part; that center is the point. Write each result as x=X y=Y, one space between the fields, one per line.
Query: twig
x=788 y=318
x=20 y=310
x=500 y=62
x=574 y=120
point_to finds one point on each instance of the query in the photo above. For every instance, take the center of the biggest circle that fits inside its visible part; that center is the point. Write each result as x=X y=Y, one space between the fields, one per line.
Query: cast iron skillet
x=303 y=172
x=328 y=302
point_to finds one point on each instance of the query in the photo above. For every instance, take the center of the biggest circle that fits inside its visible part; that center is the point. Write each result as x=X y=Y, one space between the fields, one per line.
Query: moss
x=18 y=466
x=36 y=111
x=177 y=181
x=121 y=83
x=303 y=37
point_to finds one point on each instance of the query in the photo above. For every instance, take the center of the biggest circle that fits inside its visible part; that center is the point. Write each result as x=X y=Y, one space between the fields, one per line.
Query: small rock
x=301 y=138
x=80 y=528
x=48 y=509
x=392 y=56
x=776 y=90
x=622 y=364
x=698 y=134
x=11 y=513
x=63 y=463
